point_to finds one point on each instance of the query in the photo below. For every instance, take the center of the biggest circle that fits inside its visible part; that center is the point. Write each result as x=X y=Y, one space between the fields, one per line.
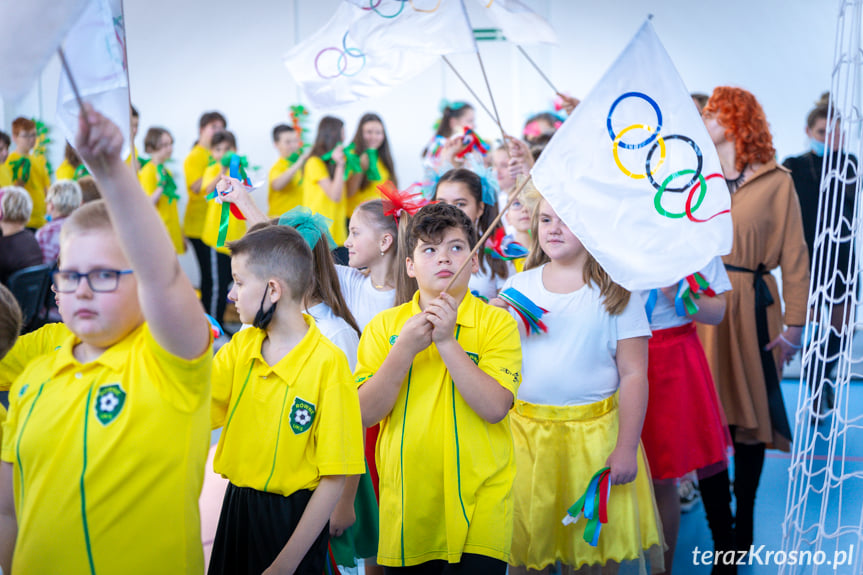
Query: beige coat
x=767 y=229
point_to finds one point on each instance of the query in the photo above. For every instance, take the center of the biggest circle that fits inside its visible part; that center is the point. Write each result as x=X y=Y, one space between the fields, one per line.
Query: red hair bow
x=397 y=202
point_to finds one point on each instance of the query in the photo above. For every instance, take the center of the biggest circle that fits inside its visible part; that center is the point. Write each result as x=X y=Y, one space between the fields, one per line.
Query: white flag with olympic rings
x=370 y=46
x=634 y=173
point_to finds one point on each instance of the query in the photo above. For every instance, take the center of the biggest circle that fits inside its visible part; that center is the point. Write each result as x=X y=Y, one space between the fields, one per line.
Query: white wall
x=188 y=56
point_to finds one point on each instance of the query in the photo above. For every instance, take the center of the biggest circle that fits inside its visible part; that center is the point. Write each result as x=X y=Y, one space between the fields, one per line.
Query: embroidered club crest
x=110 y=400
x=302 y=415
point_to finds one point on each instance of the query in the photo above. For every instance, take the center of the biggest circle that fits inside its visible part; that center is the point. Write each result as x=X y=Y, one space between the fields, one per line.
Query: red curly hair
x=745 y=124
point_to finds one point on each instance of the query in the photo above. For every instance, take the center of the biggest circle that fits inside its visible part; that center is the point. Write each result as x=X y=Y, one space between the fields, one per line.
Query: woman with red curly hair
x=747 y=350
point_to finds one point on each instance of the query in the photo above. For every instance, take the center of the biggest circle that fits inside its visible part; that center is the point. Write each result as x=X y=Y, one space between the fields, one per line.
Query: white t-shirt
x=482 y=283
x=337 y=331
x=575 y=362
x=665 y=316
x=364 y=301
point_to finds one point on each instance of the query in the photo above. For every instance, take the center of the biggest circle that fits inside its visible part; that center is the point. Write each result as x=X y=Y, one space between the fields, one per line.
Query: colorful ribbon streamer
x=299 y=114
x=21 y=169
x=397 y=202
x=472 y=143
x=167 y=183
x=236 y=171
x=529 y=313
x=593 y=505
x=503 y=247
x=215 y=328
x=689 y=289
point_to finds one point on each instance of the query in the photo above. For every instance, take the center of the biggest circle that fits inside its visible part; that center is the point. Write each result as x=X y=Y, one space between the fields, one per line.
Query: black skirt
x=254 y=527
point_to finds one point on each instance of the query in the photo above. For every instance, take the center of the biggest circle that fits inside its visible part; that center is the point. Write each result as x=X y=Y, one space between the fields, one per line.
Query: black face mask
x=263 y=318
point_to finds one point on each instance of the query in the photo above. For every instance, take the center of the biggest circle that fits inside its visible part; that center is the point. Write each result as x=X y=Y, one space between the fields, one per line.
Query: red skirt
x=685 y=428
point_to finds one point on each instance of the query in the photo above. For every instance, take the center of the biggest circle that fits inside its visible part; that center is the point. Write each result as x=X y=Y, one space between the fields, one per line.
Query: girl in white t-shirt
x=685 y=428
x=579 y=409
x=372 y=245
x=467 y=191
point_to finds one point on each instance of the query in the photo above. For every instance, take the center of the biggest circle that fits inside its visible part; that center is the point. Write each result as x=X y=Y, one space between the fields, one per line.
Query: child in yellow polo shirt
x=440 y=373
x=28 y=170
x=158 y=183
x=324 y=188
x=196 y=207
x=372 y=148
x=107 y=436
x=224 y=144
x=285 y=397
x=285 y=192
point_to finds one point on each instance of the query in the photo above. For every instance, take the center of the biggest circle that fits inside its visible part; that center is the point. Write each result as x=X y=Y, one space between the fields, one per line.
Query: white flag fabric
x=369 y=47
x=519 y=23
x=30 y=33
x=94 y=49
x=635 y=175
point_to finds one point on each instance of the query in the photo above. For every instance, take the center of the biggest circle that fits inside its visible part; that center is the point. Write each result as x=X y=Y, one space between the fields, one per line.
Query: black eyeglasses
x=99 y=280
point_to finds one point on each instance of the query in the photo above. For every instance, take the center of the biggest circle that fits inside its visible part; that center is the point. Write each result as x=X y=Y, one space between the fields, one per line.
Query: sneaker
x=689 y=495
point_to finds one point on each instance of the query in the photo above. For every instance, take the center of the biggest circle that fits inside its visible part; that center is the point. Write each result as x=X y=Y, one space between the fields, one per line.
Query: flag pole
x=133 y=153
x=487 y=85
x=487 y=233
x=72 y=82
x=469 y=89
x=537 y=68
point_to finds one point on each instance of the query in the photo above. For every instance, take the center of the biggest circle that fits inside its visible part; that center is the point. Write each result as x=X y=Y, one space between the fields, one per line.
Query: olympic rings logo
x=341 y=63
x=697 y=183
x=373 y=5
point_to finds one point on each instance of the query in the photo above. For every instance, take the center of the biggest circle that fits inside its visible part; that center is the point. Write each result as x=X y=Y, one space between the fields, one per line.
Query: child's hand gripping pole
x=479 y=245
x=593 y=505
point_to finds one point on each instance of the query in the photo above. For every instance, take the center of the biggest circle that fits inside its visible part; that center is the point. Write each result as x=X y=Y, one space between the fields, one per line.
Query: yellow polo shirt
x=111 y=455
x=286 y=425
x=370 y=192
x=5 y=175
x=289 y=197
x=149 y=178
x=210 y=229
x=446 y=474
x=196 y=209
x=36 y=186
x=66 y=171
x=29 y=346
x=318 y=201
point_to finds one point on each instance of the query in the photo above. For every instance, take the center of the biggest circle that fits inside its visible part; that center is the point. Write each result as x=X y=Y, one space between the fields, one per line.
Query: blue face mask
x=816 y=147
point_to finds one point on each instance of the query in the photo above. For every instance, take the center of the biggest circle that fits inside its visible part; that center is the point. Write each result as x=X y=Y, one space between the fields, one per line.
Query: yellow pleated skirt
x=557 y=451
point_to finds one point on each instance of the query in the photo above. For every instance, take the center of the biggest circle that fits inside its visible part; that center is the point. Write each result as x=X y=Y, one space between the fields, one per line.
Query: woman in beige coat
x=747 y=350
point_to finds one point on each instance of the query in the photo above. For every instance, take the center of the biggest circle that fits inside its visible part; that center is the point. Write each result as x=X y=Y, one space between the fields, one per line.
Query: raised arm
x=283 y=179
x=240 y=196
x=168 y=301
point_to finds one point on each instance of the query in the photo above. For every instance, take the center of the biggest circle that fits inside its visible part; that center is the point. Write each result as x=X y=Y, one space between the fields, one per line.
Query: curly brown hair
x=745 y=125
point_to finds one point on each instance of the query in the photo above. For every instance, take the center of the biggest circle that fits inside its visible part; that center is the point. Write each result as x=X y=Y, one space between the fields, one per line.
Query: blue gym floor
x=773 y=492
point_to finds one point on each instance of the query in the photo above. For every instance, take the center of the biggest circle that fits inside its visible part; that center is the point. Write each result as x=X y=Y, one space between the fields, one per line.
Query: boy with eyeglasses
x=107 y=434
x=28 y=170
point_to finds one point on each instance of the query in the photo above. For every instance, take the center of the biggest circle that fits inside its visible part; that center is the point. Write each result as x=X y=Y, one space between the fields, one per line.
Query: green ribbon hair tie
x=21 y=169
x=167 y=183
x=311 y=225
x=373 y=173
